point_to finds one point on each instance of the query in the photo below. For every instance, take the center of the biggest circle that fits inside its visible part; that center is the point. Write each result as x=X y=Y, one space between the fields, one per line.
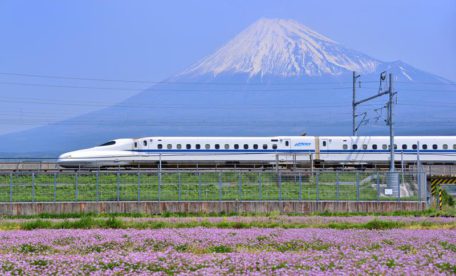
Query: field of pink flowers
x=204 y=251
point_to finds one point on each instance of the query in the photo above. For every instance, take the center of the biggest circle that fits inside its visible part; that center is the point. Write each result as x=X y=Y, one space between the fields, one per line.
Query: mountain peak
x=284 y=27
x=281 y=48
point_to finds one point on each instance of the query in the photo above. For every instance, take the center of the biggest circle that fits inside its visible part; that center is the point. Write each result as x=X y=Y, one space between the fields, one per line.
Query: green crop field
x=190 y=186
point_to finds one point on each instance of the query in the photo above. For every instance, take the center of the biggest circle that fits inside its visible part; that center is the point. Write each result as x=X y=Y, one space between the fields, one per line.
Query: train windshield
x=110 y=143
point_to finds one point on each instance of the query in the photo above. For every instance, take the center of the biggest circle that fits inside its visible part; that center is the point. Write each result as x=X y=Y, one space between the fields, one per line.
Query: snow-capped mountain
x=282 y=48
x=234 y=92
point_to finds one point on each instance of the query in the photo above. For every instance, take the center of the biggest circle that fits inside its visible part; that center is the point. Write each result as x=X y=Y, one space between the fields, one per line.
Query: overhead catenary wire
x=78 y=78
x=161 y=82
x=187 y=90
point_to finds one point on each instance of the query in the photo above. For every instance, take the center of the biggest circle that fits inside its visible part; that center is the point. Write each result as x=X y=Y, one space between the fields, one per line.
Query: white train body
x=328 y=149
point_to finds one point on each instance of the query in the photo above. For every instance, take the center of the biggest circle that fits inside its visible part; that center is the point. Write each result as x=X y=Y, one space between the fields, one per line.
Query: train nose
x=64 y=158
x=68 y=157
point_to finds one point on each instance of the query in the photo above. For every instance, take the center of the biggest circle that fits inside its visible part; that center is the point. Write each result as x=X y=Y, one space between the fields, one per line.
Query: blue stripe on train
x=292 y=150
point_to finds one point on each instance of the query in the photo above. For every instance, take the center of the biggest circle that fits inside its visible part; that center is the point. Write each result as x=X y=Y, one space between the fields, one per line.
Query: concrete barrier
x=155 y=207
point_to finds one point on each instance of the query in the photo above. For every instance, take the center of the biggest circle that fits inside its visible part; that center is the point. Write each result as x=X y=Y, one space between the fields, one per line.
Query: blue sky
x=151 y=40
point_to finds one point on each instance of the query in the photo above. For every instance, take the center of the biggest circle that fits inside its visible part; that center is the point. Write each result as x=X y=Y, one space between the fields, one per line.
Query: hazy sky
x=151 y=40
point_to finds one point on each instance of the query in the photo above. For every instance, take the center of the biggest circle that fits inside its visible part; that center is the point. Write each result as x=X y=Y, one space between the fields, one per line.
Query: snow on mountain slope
x=283 y=48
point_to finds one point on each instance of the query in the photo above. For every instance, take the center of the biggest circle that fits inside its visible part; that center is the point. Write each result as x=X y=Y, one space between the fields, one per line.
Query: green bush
x=447 y=199
x=37 y=224
x=114 y=223
x=377 y=224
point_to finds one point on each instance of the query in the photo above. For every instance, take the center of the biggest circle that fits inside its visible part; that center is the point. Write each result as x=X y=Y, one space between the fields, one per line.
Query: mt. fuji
x=277 y=77
x=282 y=48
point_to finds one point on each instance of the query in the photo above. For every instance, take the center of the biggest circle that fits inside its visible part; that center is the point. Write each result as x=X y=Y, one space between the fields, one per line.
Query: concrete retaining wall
x=154 y=207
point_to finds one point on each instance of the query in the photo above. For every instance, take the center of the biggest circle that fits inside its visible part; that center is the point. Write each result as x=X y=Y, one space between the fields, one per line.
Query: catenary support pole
x=354 y=132
x=390 y=121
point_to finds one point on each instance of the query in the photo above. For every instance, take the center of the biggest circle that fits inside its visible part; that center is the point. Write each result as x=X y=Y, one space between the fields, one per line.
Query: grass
x=448 y=211
x=113 y=222
x=188 y=186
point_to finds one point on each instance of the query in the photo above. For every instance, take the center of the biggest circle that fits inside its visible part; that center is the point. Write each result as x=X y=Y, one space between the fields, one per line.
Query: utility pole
x=354 y=128
x=390 y=121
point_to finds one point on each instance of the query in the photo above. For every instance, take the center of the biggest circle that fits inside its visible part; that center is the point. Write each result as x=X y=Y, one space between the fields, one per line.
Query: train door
x=286 y=154
x=286 y=143
x=324 y=148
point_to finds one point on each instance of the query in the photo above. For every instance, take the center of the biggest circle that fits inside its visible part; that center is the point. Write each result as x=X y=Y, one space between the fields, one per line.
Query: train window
x=404 y=146
x=169 y=146
x=384 y=146
x=159 y=146
x=246 y=146
x=435 y=146
x=145 y=143
x=274 y=140
x=445 y=146
x=207 y=146
x=178 y=146
x=188 y=146
x=365 y=147
x=217 y=146
x=255 y=146
x=110 y=143
x=265 y=146
x=345 y=146
x=227 y=146
x=324 y=144
x=288 y=143
x=395 y=146
x=236 y=146
x=197 y=146
x=424 y=146
x=454 y=146
x=136 y=144
x=355 y=146
x=374 y=146
x=414 y=146
x=274 y=146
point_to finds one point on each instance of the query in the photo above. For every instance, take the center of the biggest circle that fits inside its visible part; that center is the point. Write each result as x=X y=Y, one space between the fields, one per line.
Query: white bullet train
x=269 y=150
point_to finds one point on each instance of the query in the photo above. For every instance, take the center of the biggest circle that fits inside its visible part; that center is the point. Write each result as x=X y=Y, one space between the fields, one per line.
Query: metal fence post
x=337 y=186
x=33 y=187
x=317 y=180
x=418 y=179
x=139 y=186
x=260 y=186
x=280 y=185
x=399 y=189
x=159 y=184
x=118 y=186
x=239 y=186
x=97 y=185
x=378 y=187
x=220 y=186
x=179 y=186
x=357 y=186
x=11 y=187
x=300 y=186
x=199 y=186
x=55 y=187
x=76 y=191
